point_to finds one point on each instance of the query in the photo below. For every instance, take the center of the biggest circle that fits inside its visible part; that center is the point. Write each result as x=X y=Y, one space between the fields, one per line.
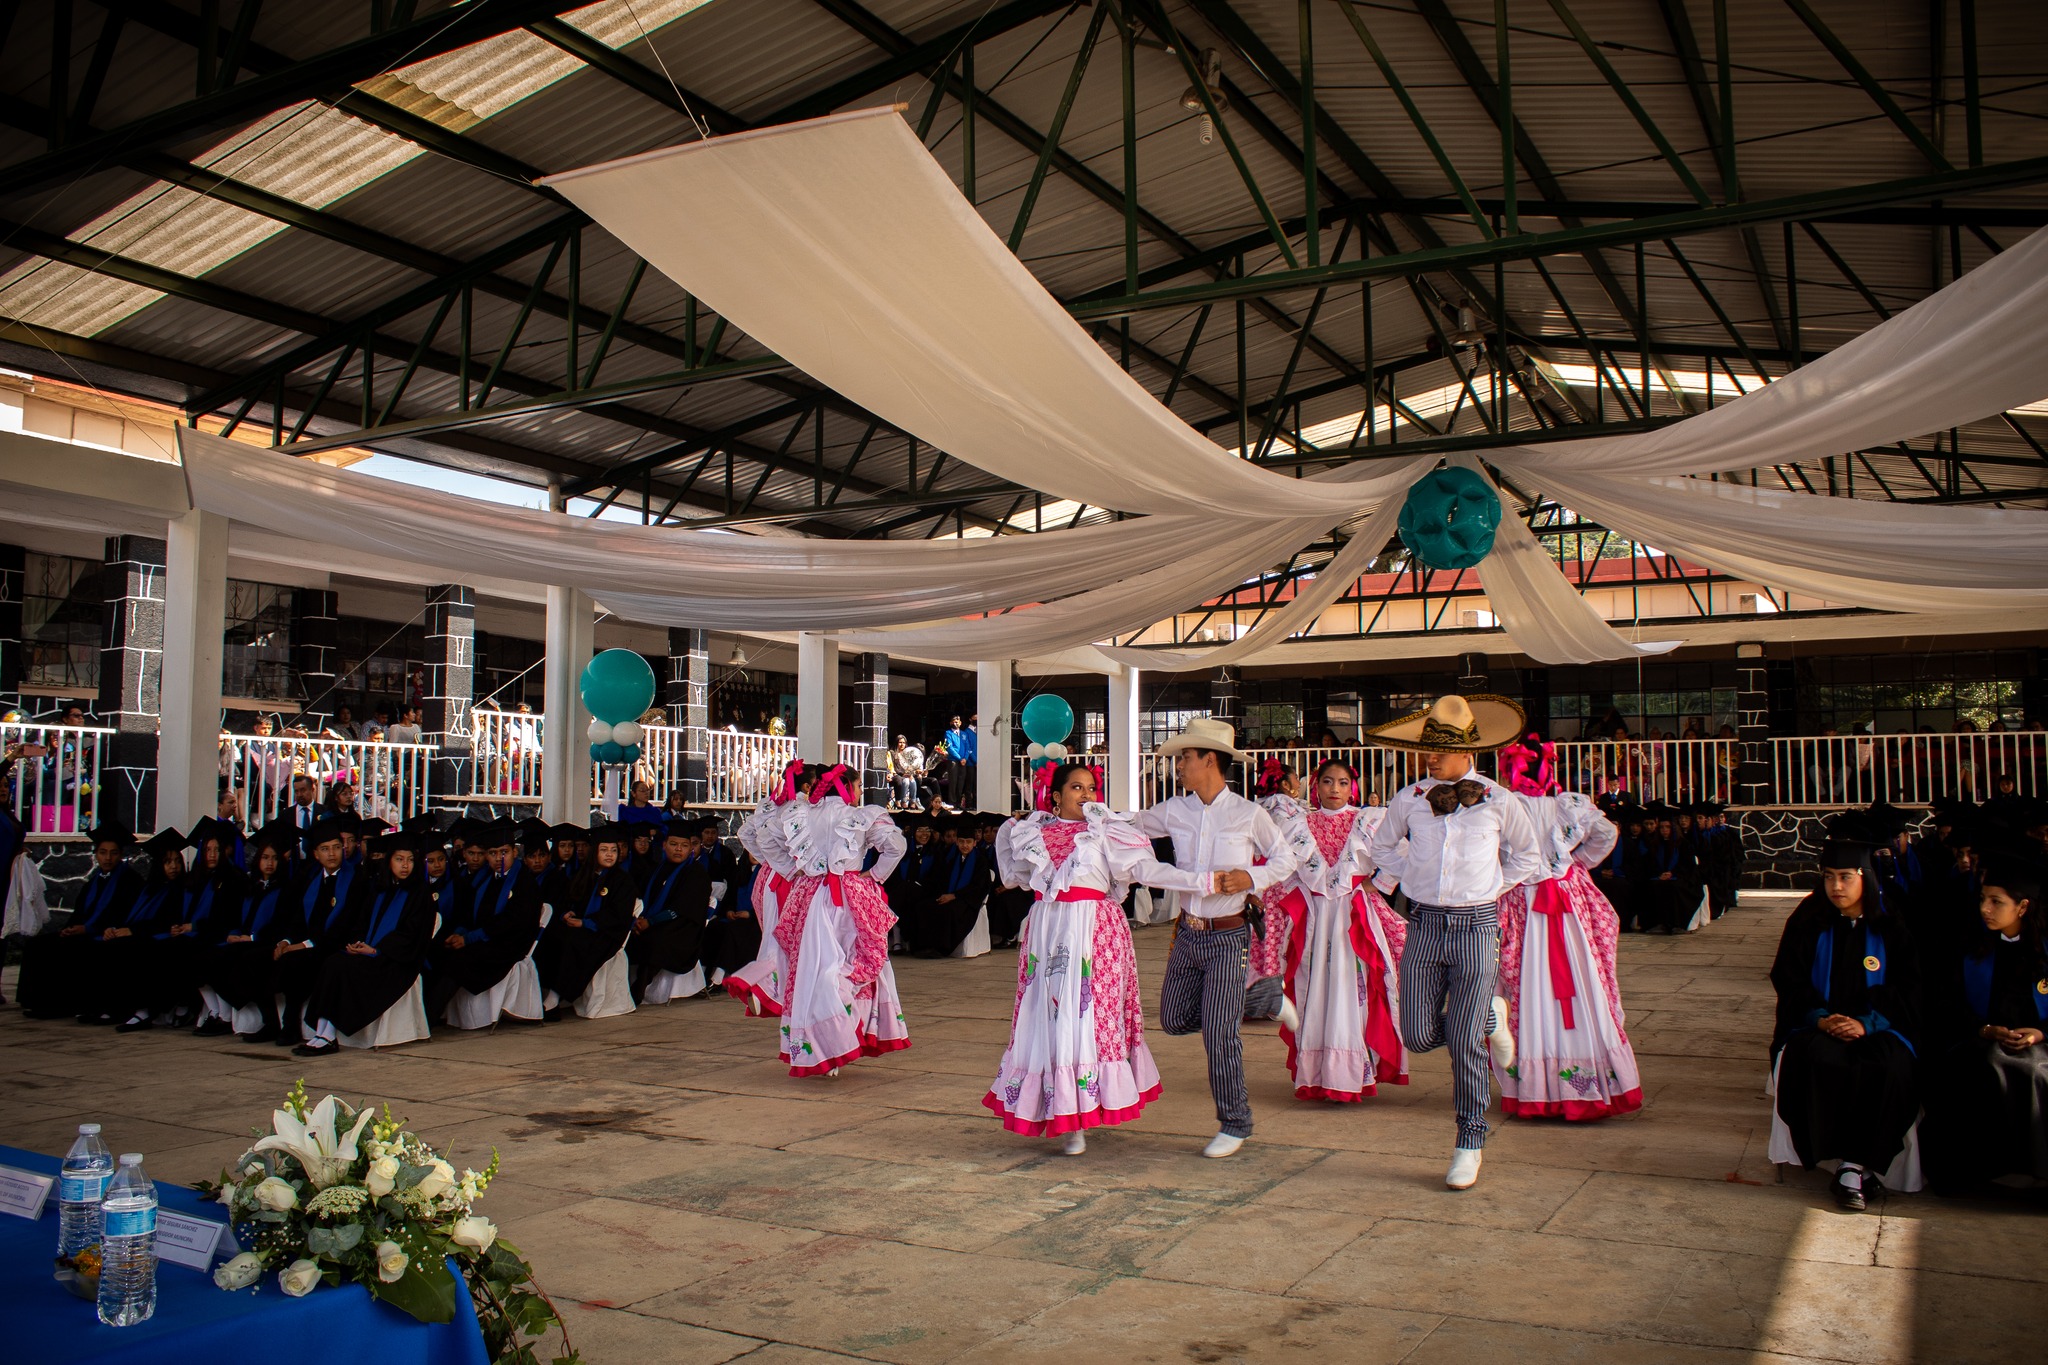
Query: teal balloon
x=1449 y=518
x=618 y=686
x=629 y=753
x=611 y=752
x=596 y=754
x=1047 y=719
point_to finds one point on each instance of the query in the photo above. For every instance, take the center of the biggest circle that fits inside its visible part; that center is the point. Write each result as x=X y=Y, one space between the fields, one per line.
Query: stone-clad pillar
x=1753 y=786
x=688 y=699
x=131 y=678
x=314 y=622
x=871 y=715
x=450 y=688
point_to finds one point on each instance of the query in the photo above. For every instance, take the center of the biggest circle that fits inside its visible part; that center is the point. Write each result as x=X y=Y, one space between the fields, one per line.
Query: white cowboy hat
x=1205 y=733
x=1456 y=724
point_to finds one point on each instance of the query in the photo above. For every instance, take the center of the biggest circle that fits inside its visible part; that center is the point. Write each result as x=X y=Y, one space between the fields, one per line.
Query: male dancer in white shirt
x=1217 y=836
x=1467 y=841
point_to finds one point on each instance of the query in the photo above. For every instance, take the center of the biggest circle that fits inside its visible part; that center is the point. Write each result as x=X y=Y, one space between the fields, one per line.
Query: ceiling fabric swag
x=702 y=578
x=842 y=246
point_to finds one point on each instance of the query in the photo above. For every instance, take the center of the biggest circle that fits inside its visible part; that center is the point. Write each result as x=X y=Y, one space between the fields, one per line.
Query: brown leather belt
x=1203 y=926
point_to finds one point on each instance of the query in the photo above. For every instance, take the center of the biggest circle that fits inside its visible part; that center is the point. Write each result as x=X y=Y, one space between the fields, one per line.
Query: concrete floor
x=684 y=1200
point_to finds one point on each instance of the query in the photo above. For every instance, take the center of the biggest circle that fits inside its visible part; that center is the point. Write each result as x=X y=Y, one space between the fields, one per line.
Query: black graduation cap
x=611 y=834
x=2014 y=867
x=565 y=832
x=1887 y=822
x=112 y=832
x=163 y=841
x=497 y=834
x=466 y=830
x=1711 y=808
x=533 y=840
x=279 y=834
x=682 y=827
x=710 y=824
x=1852 y=835
x=640 y=829
x=532 y=825
x=400 y=841
x=327 y=829
x=209 y=827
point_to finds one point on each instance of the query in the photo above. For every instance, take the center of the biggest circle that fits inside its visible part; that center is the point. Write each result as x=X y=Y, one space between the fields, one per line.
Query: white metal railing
x=55 y=791
x=743 y=767
x=1677 y=770
x=391 y=781
x=505 y=750
x=1907 y=770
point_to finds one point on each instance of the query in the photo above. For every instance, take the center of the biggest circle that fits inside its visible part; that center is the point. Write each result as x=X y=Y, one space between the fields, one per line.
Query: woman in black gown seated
x=1847 y=1021
x=1987 y=1106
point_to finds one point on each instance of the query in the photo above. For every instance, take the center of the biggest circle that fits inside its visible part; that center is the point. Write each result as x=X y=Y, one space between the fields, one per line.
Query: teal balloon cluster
x=1045 y=719
x=617 y=688
x=1449 y=518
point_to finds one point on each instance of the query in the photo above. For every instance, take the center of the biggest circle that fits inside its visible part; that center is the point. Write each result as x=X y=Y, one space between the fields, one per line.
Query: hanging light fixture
x=1212 y=82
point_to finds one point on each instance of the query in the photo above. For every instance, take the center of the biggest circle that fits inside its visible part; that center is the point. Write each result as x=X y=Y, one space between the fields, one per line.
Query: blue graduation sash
x=1977 y=987
x=1874 y=950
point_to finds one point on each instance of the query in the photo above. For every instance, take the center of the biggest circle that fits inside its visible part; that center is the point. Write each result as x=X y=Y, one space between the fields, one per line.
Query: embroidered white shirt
x=1468 y=857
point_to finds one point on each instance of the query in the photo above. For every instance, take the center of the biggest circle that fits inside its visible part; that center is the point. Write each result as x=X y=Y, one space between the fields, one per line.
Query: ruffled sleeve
x=795 y=832
x=1585 y=834
x=1128 y=852
x=1021 y=856
x=758 y=835
x=886 y=839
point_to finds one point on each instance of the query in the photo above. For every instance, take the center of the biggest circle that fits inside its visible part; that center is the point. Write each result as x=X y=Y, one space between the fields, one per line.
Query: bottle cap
x=88 y=1129
x=131 y=1158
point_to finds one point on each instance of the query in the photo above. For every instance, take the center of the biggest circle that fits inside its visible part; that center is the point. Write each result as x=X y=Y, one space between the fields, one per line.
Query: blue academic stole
x=1876 y=961
x=390 y=906
x=1977 y=987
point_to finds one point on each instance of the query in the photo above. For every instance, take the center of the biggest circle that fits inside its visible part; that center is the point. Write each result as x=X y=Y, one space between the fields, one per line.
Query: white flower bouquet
x=335 y=1194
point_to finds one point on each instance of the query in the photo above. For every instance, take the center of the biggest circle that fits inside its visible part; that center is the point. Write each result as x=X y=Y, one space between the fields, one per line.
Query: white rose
x=391 y=1261
x=276 y=1195
x=439 y=1179
x=475 y=1232
x=382 y=1177
x=299 y=1278
x=239 y=1273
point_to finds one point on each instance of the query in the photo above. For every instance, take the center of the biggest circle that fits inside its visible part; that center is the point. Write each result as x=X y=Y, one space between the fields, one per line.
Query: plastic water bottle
x=81 y=1184
x=128 y=1246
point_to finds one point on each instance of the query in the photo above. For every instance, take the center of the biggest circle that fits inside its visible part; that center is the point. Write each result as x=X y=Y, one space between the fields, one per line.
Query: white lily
x=324 y=1152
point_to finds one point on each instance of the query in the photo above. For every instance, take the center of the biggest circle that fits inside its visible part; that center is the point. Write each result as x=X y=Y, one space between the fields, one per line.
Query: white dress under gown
x=759 y=983
x=1077 y=1057
x=1343 y=963
x=839 y=997
x=1557 y=973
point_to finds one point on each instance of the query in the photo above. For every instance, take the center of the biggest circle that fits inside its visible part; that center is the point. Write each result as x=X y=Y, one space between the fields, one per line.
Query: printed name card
x=23 y=1193
x=184 y=1240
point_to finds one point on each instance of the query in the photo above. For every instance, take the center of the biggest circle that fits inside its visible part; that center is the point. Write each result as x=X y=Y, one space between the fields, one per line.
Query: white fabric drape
x=1857 y=551
x=700 y=578
x=842 y=246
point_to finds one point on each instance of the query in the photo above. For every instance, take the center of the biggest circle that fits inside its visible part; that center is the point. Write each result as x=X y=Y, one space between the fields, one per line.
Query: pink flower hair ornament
x=786 y=792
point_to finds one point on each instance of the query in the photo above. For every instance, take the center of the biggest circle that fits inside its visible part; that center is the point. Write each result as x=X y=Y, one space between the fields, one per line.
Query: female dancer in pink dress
x=1265 y=995
x=839 y=995
x=1077 y=1057
x=1557 y=940
x=1342 y=955
x=759 y=983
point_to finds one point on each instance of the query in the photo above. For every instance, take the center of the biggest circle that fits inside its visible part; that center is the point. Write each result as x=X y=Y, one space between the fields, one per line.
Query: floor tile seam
x=1753 y=1348
x=1577 y=1190
x=1714 y=1252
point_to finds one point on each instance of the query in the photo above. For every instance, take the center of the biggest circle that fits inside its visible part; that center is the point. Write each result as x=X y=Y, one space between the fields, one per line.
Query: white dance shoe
x=1076 y=1143
x=1290 y=1017
x=1500 y=1042
x=1222 y=1145
x=1464 y=1172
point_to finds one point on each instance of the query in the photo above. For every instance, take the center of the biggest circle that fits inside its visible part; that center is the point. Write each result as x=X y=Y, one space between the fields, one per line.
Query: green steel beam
x=1879 y=96
x=1818 y=204
x=628 y=72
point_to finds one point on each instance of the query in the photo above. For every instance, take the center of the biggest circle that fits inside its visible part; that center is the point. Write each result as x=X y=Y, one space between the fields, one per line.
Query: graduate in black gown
x=57 y=965
x=956 y=891
x=166 y=979
x=1667 y=888
x=905 y=887
x=592 y=920
x=235 y=968
x=1616 y=874
x=1987 y=1101
x=1848 y=1015
x=668 y=933
x=732 y=936
x=316 y=914
x=1944 y=915
x=1008 y=906
x=384 y=947
x=133 y=956
x=494 y=926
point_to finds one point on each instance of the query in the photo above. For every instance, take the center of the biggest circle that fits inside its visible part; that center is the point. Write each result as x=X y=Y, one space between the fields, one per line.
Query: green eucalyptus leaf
x=426 y=1290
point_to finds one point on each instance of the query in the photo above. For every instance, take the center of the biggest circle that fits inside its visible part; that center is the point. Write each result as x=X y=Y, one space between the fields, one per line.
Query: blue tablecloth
x=196 y=1321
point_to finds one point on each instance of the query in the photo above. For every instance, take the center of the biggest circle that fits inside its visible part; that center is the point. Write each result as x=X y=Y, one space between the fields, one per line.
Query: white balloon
x=1055 y=751
x=1035 y=751
x=626 y=732
x=600 y=732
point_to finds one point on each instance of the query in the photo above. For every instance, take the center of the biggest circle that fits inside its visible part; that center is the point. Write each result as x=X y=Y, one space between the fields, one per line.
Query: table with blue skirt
x=195 y=1320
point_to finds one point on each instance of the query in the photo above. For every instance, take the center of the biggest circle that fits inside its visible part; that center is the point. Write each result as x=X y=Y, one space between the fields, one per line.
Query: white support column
x=195 y=622
x=1123 y=740
x=817 y=698
x=565 y=751
x=995 y=784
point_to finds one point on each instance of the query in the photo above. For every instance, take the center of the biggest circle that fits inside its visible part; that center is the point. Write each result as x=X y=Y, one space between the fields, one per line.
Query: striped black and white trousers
x=1204 y=992
x=1449 y=971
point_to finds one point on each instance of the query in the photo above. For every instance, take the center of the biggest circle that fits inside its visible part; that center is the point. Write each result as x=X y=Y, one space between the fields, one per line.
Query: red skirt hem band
x=870 y=1046
x=747 y=990
x=1066 y=1123
x=1573 y=1111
